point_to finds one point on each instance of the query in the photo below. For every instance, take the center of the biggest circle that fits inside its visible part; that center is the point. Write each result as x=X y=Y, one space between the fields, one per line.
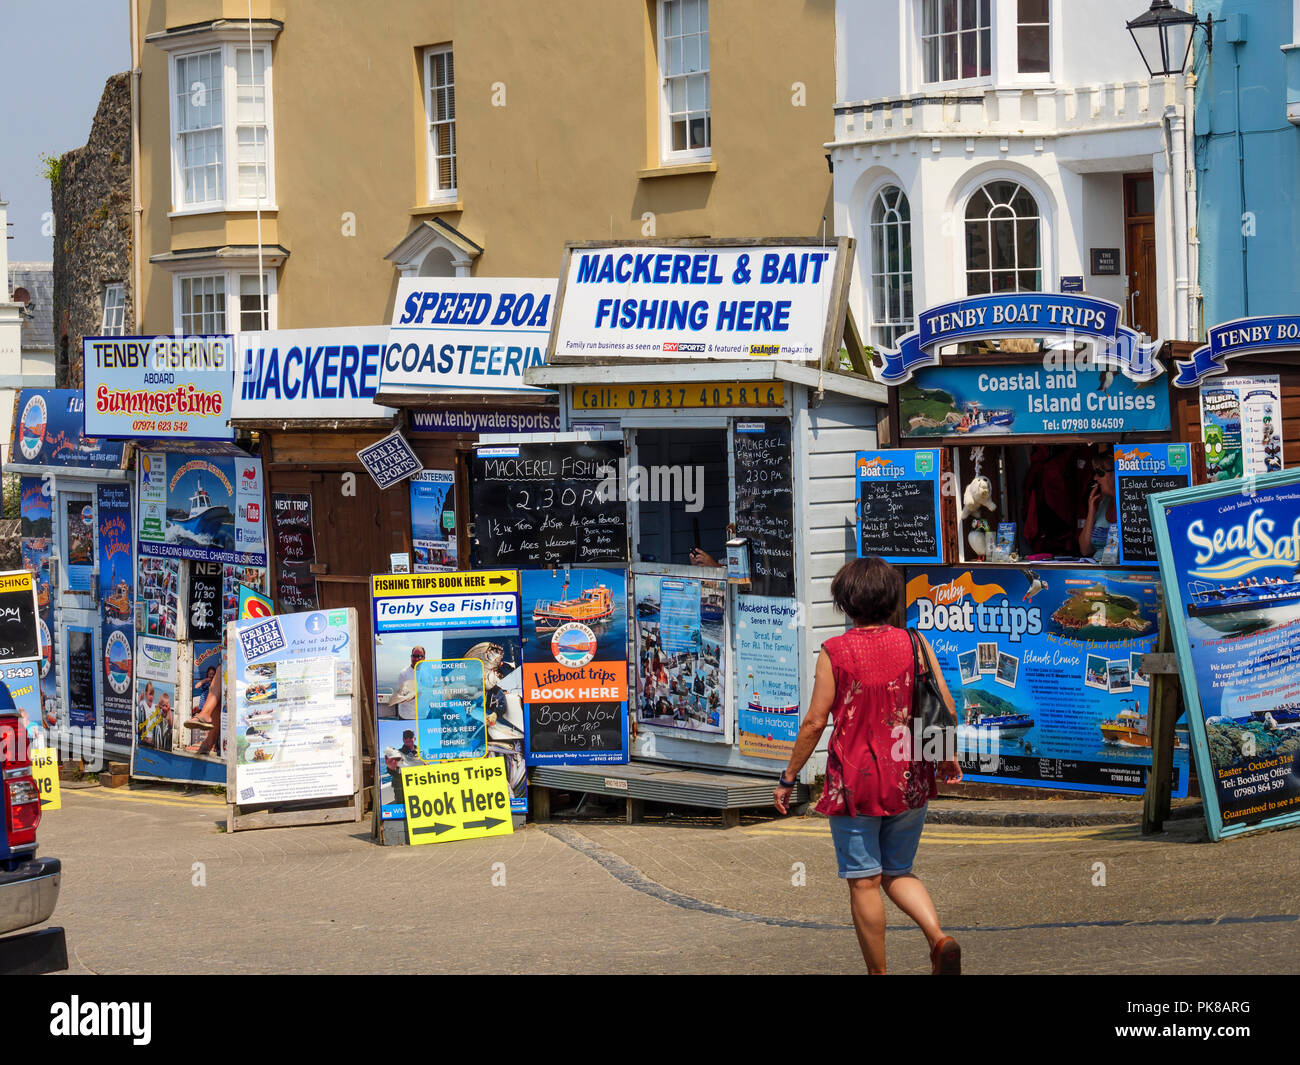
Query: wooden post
x=539 y=803
x=1162 y=713
x=731 y=817
x=635 y=811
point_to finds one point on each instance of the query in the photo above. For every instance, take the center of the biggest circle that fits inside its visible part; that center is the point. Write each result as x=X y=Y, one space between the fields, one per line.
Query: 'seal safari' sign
x=701 y=300
x=159 y=388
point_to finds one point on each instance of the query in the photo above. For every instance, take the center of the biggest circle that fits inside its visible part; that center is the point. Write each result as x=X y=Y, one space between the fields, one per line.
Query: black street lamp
x=1163 y=35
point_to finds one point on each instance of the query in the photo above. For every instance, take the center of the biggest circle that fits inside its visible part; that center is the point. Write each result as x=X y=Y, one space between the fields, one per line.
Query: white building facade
x=988 y=146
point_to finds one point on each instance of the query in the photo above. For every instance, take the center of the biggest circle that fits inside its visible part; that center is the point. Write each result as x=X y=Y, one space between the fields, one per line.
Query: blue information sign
x=898 y=505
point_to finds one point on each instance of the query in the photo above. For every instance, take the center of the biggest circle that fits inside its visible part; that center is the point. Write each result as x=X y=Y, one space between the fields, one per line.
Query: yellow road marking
x=960 y=834
x=112 y=793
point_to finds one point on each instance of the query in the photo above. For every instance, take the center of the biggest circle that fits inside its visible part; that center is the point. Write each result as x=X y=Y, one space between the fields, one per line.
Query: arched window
x=1003 y=240
x=891 y=266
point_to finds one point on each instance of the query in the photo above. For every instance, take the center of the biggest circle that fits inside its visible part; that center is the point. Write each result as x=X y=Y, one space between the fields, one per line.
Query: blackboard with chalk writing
x=1142 y=470
x=765 y=503
x=898 y=505
x=549 y=504
x=18 y=637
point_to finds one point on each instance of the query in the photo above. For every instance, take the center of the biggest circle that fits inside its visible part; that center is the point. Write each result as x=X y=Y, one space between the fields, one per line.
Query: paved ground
x=671 y=895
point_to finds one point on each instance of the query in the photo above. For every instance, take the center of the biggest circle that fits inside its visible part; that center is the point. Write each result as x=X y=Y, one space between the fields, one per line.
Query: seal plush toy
x=978 y=496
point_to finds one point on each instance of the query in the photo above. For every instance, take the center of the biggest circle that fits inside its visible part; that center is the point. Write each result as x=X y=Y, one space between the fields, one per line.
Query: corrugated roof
x=38 y=279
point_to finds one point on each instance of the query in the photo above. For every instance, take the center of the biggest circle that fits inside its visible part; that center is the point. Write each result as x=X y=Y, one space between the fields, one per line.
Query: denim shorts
x=869 y=846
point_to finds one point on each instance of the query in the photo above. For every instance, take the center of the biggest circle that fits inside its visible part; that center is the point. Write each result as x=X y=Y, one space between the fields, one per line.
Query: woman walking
x=875 y=794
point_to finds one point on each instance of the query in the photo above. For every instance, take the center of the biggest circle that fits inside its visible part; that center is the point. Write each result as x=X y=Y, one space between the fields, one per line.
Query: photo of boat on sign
x=573 y=613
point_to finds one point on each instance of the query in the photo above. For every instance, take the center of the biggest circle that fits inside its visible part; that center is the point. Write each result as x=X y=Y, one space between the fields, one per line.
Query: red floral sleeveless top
x=868 y=767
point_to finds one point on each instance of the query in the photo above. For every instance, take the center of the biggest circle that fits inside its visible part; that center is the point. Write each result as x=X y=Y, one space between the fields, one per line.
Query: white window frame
x=116 y=328
x=875 y=268
x=979 y=79
x=230 y=278
x=230 y=199
x=667 y=155
x=1053 y=24
x=1046 y=232
x=433 y=191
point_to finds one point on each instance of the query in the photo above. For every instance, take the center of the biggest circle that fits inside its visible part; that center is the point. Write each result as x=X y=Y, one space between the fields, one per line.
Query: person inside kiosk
x=1101 y=507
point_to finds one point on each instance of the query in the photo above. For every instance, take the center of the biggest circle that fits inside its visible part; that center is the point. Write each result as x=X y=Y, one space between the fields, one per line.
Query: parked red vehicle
x=29 y=886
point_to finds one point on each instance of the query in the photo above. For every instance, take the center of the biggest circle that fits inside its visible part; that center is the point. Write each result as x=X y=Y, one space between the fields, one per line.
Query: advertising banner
x=433 y=520
x=1241 y=425
x=35 y=512
x=390 y=460
x=1242 y=336
x=50 y=431
x=1141 y=470
x=159 y=388
x=289 y=374
x=447 y=644
x=253 y=604
x=457 y=800
x=295 y=551
x=962 y=402
x=117 y=611
x=484 y=422
x=79 y=529
x=206 y=507
x=293 y=707
x=699 y=301
x=681 y=654
x=1045 y=669
x=475 y=333
x=1229 y=564
x=157 y=677
x=898 y=505
x=158 y=596
x=767 y=668
x=575 y=666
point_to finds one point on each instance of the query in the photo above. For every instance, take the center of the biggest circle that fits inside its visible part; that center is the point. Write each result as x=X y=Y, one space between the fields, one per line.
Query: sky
x=57 y=55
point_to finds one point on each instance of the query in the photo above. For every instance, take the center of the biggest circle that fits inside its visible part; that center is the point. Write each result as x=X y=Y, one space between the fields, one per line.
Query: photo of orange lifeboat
x=43 y=593
x=593 y=604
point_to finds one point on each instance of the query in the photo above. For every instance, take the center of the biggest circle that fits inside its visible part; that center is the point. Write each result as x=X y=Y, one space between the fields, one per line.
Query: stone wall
x=92 y=228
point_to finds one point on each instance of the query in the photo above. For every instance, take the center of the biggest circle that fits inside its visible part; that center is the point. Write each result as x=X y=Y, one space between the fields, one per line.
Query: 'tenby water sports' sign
x=701 y=300
x=476 y=333
x=310 y=373
x=1029 y=314
x=160 y=387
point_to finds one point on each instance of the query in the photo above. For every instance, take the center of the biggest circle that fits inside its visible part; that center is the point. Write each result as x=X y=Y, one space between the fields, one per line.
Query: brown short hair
x=867 y=591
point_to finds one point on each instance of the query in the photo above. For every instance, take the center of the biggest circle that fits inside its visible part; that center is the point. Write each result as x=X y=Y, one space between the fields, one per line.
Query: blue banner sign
x=50 y=431
x=485 y=421
x=1028 y=314
x=1046 y=668
x=1279 y=332
x=1228 y=562
x=959 y=402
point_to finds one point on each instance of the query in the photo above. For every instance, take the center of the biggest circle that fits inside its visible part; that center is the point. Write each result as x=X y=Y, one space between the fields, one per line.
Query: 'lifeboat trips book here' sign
x=547 y=504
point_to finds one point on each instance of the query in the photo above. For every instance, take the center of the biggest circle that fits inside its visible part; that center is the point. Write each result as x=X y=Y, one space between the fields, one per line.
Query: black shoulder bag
x=934 y=726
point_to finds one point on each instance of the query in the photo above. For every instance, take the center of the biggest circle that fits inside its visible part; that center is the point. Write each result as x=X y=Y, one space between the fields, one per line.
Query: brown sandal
x=945 y=958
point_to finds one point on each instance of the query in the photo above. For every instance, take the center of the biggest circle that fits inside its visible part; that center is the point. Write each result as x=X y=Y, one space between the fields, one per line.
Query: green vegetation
x=932 y=403
x=1094 y=606
x=990 y=703
x=52 y=169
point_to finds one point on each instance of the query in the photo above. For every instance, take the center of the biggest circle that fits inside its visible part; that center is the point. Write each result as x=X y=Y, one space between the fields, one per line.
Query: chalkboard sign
x=575 y=729
x=765 y=503
x=205 y=612
x=81 y=678
x=295 y=551
x=898 y=505
x=1142 y=470
x=547 y=504
x=18 y=637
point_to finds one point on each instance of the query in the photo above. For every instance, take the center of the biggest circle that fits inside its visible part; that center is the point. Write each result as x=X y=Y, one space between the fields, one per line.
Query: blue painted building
x=1247 y=125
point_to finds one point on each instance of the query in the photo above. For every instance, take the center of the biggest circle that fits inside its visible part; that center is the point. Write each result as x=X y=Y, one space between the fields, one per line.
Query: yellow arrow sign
x=45 y=769
x=463 y=799
x=479 y=580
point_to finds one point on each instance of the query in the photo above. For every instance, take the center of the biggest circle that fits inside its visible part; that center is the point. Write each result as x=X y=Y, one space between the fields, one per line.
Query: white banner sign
x=467 y=333
x=697 y=302
x=309 y=373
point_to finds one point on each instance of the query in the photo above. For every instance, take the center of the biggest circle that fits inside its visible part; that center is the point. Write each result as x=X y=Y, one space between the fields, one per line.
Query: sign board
x=457 y=800
x=253 y=604
x=1228 y=564
x=682 y=655
x=295 y=550
x=429 y=629
x=1241 y=426
x=575 y=666
x=1142 y=470
x=672 y=397
x=899 y=504
x=1104 y=262
x=79 y=661
x=547 y=504
x=49 y=430
x=767 y=670
x=484 y=422
x=701 y=299
x=294 y=374
x=203 y=604
x=206 y=507
x=159 y=388
x=390 y=460
x=45 y=770
x=117 y=610
x=293 y=704
x=764 y=471
x=1073 y=283
x=433 y=520
x=960 y=403
x=19 y=633
x=1045 y=669
x=1243 y=336
x=468 y=333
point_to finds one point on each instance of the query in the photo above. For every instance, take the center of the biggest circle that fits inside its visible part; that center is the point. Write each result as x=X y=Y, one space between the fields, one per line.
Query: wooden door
x=1140 y=252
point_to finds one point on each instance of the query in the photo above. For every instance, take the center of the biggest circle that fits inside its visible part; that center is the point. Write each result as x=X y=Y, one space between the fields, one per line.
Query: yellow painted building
x=443 y=137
